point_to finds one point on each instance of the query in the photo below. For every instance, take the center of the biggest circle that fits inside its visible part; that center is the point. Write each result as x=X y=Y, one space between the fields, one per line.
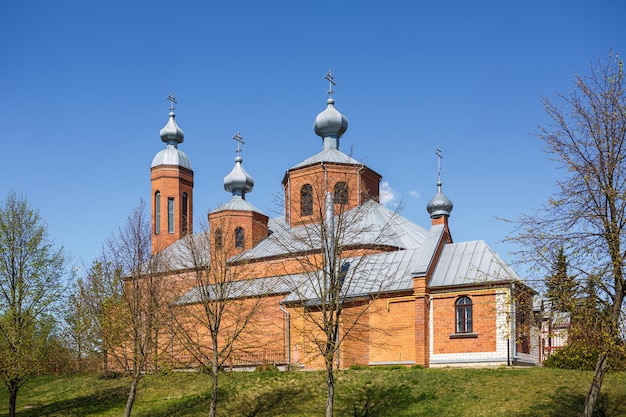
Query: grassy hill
x=368 y=392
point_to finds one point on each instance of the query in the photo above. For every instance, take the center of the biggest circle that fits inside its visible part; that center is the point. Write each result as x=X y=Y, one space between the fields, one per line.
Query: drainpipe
x=287 y=316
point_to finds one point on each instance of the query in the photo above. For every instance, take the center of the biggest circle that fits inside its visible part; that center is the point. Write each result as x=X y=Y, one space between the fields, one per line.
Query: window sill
x=463 y=335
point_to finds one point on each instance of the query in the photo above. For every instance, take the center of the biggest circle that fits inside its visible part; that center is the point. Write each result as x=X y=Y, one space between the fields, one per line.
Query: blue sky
x=84 y=86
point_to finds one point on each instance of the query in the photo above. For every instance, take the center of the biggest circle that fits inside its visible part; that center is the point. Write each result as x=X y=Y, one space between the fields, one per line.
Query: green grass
x=516 y=392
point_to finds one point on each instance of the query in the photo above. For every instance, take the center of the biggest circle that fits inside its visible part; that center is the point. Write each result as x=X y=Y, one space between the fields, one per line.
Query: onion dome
x=238 y=182
x=171 y=155
x=171 y=133
x=439 y=205
x=330 y=125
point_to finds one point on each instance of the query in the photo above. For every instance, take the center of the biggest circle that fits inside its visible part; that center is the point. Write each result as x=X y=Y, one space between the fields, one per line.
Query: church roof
x=373 y=224
x=171 y=156
x=332 y=155
x=237 y=203
x=470 y=263
x=238 y=289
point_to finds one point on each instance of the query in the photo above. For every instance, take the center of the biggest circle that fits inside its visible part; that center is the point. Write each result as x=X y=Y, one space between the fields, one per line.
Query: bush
x=582 y=357
x=266 y=368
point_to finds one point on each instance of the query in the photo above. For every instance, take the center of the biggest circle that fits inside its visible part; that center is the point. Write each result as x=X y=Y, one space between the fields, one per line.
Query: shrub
x=266 y=368
x=583 y=357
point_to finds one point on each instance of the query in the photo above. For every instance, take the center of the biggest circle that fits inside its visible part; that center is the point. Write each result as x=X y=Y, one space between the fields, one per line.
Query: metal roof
x=428 y=250
x=238 y=203
x=333 y=155
x=369 y=224
x=468 y=263
x=371 y=274
x=238 y=289
x=171 y=156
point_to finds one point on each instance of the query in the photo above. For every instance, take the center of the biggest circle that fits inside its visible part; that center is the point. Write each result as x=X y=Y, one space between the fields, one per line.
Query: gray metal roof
x=469 y=263
x=332 y=155
x=237 y=203
x=188 y=252
x=238 y=289
x=428 y=250
x=171 y=156
x=372 y=274
x=370 y=223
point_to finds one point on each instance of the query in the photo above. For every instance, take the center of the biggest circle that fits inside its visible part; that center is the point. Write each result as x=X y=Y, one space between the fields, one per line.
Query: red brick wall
x=392 y=330
x=361 y=181
x=171 y=181
x=484 y=323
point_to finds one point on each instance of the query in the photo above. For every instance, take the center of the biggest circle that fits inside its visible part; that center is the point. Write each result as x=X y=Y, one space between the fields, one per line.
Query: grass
x=364 y=392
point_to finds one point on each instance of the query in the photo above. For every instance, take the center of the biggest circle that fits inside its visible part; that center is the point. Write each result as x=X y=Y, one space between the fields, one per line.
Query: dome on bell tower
x=238 y=182
x=439 y=205
x=330 y=122
x=172 y=135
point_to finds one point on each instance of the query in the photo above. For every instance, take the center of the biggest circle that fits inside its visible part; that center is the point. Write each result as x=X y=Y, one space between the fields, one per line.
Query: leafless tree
x=143 y=306
x=339 y=276
x=31 y=270
x=586 y=217
x=220 y=316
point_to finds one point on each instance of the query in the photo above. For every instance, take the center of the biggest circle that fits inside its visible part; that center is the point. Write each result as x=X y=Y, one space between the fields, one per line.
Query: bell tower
x=172 y=187
x=237 y=225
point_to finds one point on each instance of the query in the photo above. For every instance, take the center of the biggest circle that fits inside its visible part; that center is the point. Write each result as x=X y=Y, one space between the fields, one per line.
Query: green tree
x=93 y=319
x=587 y=215
x=561 y=287
x=31 y=272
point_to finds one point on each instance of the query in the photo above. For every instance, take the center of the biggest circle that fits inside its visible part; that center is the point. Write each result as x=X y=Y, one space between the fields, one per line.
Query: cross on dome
x=331 y=82
x=439 y=158
x=172 y=100
x=239 y=139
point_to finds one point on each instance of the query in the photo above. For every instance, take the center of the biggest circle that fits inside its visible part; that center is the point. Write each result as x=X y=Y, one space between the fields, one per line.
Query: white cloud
x=415 y=194
x=387 y=194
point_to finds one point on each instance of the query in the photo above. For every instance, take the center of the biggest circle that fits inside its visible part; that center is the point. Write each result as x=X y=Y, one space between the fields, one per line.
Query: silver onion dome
x=171 y=133
x=171 y=155
x=238 y=182
x=439 y=205
x=330 y=125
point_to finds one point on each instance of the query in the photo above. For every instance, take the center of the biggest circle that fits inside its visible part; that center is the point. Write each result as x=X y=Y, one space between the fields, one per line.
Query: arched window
x=239 y=237
x=341 y=193
x=185 y=225
x=157 y=212
x=306 y=200
x=217 y=236
x=463 y=308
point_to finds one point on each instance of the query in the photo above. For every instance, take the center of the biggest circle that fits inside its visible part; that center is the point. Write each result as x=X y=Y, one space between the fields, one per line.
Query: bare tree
x=340 y=276
x=587 y=216
x=220 y=317
x=128 y=253
x=31 y=270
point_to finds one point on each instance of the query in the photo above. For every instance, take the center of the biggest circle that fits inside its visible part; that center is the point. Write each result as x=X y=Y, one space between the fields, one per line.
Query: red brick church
x=415 y=295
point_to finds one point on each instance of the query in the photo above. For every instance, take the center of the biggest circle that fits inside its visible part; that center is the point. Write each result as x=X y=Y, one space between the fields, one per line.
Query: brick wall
x=362 y=183
x=171 y=181
x=392 y=331
x=483 y=336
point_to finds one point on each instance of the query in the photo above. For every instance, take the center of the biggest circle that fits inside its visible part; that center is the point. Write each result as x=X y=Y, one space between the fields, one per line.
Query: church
x=401 y=293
